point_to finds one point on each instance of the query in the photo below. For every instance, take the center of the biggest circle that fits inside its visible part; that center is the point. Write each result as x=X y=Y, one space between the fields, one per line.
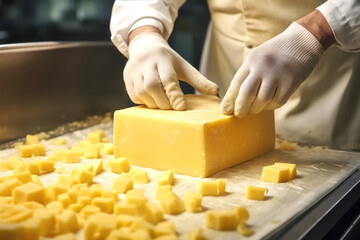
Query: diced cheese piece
x=20 y=216
x=241 y=213
x=58 y=141
x=11 y=231
x=221 y=220
x=105 y=204
x=192 y=202
x=71 y=156
x=31 y=150
x=119 y=165
x=66 y=181
x=100 y=225
x=36 y=179
x=95 y=136
x=244 y=230
x=64 y=198
x=46 y=165
x=6 y=200
x=275 y=174
x=212 y=188
x=172 y=204
x=139 y=176
x=12 y=183
x=162 y=190
x=136 y=197
x=84 y=200
x=87 y=167
x=291 y=166
x=73 y=194
x=4 y=190
x=67 y=222
x=203 y=130
x=91 y=151
x=255 y=193
x=66 y=236
x=140 y=223
x=111 y=194
x=32 y=205
x=29 y=192
x=98 y=166
x=32 y=167
x=31 y=139
x=166 y=178
x=123 y=208
x=196 y=234
x=89 y=210
x=11 y=162
x=123 y=183
x=122 y=233
x=108 y=148
x=154 y=213
x=47 y=221
x=24 y=177
x=83 y=176
x=56 y=206
x=30 y=229
x=164 y=228
x=124 y=220
x=75 y=207
x=54 y=190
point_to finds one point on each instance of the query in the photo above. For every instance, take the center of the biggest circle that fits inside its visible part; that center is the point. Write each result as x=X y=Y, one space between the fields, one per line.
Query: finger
x=171 y=86
x=281 y=96
x=129 y=85
x=142 y=94
x=192 y=76
x=154 y=88
x=247 y=93
x=264 y=97
x=228 y=102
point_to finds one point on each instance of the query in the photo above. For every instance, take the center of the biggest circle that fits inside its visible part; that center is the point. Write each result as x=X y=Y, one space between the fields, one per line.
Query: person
x=258 y=55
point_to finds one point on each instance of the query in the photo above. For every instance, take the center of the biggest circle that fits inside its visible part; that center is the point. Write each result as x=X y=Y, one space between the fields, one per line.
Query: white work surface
x=319 y=171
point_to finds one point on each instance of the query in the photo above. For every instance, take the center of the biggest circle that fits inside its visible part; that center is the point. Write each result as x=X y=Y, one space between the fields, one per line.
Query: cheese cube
x=29 y=192
x=66 y=181
x=221 y=220
x=139 y=176
x=99 y=225
x=46 y=165
x=193 y=141
x=128 y=209
x=192 y=202
x=255 y=193
x=122 y=184
x=291 y=166
x=36 y=179
x=32 y=167
x=53 y=191
x=30 y=150
x=212 y=188
x=98 y=166
x=241 y=213
x=105 y=204
x=89 y=210
x=67 y=222
x=108 y=148
x=31 y=139
x=66 y=236
x=73 y=194
x=244 y=230
x=136 y=197
x=32 y=205
x=166 y=228
x=75 y=207
x=166 y=178
x=140 y=223
x=172 y=204
x=71 y=156
x=30 y=229
x=84 y=200
x=154 y=213
x=91 y=151
x=83 y=176
x=161 y=191
x=196 y=234
x=47 y=220
x=12 y=162
x=12 y=183
x=10 y=231
x=275 y=174
x=56 y=206
x=4 y=190
x=64 y=198
x=58 y=141
x=95 y=136
x=119 y=165
x=111 y=194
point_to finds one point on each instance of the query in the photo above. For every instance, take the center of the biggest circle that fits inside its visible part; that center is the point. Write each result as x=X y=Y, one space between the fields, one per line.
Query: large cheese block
x=198 y=142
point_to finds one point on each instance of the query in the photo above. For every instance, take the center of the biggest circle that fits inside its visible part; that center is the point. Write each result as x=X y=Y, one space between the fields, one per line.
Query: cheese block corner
x=199 y=141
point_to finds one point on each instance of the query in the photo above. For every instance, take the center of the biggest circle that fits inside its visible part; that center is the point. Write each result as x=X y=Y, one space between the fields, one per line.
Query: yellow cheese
x=196 y=234
x=54 y=190
x=123 y=183
x=166 y=228
x=66 y=181
x=64 y=198
x=29 y=192
x=108 y=148
x=10 y=231
x=30 y=229
x=36 y=179
x=136 y=197
x=73 y=194
x=31 y=139
x=212 y=188
x=4 y=190
x=47 y=221
x=139 y=176
x=105 y=204
x=119 y=165
x=67 y=222
x=255 y=193
x=32 y=167
x=166 y=178
x=91 y=151
x=95 y=136
x=12 y=183
x=46 y=165
x=58 y=141
x=75 y=207
x=98 y=165
x=56 y=206
x=275 y=174
x=172 y=204
x=100 y=225
x=84 y=200
x=82 y=175
x=66 y=236
x=192 y=202
x=89 y=210
x=244 y=230
x=198 y=142
x=226 y=219
x=291 y=166
x=154 y=213
x=127 y=209
x=31 y=150
x=161 y=191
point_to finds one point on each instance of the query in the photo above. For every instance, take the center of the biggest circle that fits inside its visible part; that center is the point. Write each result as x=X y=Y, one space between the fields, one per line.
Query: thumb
x=193 y=77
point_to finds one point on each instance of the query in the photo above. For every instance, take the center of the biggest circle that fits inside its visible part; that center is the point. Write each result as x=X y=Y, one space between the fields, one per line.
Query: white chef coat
x=324 y=110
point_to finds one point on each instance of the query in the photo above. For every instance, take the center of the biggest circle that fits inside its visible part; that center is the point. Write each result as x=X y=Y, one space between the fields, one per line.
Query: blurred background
x=88 y=20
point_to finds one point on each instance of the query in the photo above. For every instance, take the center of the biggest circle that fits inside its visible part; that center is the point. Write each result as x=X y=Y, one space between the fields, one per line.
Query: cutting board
x=319 y=171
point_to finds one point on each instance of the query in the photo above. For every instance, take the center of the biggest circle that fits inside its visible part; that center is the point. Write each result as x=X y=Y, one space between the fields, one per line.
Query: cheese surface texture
x=198 y=142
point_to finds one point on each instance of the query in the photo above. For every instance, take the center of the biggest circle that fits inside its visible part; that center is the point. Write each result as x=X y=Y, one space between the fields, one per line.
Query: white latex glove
x=272 y=72
x=153 y=71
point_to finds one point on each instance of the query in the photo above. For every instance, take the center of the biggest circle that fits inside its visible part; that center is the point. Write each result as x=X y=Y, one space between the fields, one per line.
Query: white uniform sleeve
x=344 y=19
x=130 y=14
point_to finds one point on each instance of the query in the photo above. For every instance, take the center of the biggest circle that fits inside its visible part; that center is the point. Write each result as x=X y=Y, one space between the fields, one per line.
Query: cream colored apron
x=325 y=109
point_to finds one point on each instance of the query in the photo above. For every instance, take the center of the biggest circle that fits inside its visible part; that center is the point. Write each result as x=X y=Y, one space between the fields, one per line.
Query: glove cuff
x=300 y=44
x=145 y=40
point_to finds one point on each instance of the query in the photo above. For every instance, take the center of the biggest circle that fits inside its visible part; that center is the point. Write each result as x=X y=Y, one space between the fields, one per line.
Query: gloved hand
x=153 y=71
x=272 y=72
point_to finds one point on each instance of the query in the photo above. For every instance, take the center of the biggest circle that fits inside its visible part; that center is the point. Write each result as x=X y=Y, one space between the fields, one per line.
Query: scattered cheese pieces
x=212 y=188
x=278 y=173
x=119 y=165
x=192 y=202
x=166 y=178
x=255 y=193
